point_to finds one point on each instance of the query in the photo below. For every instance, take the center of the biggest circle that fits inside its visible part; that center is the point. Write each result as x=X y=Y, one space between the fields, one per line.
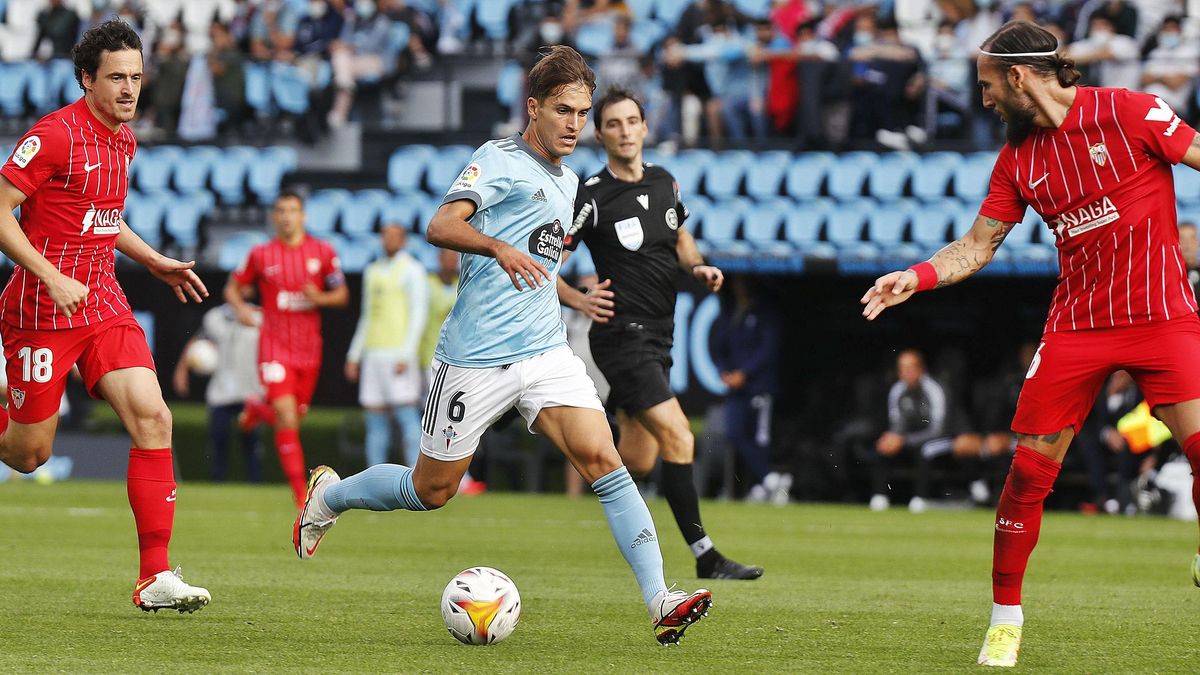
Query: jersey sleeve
x=44 y=152
x=331 y=268
x=485 y=181
x=249 y=272
x=1004 y=201
x=681 y=210
x=1154 y=126
x=585 y=220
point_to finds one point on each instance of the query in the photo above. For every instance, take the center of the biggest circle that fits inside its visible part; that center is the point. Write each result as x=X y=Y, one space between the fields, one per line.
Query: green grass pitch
x=845 y=590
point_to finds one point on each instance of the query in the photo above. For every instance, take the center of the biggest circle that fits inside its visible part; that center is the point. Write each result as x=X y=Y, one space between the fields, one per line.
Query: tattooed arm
x=957 y=261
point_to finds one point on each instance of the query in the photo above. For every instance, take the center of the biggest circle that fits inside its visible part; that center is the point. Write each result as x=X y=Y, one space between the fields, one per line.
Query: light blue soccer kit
x=501 y=347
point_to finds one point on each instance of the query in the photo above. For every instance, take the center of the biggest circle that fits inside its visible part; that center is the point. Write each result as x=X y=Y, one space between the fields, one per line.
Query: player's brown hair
x=559 y=65
x=1022 y=37
x=113 y=35
x=614 y=95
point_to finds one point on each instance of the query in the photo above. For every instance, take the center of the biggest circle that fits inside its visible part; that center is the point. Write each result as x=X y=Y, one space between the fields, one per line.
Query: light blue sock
x=633 y=529
x=408 y=418
x=379 y=437
x=383 y=487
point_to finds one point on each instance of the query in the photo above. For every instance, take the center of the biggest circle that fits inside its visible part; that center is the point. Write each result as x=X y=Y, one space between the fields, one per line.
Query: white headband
x=1049 y=53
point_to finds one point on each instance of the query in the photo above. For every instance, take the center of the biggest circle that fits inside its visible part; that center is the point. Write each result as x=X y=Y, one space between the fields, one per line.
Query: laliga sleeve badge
x=26 y=151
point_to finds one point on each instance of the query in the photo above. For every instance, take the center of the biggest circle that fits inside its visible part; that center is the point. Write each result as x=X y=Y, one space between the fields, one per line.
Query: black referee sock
x=680 y=491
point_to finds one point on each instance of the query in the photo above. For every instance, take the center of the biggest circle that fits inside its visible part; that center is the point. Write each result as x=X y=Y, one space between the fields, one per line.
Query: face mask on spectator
x=984 y=4
x=365 y=8
x=1101 y=34
x=551 y=32
x=1169 y=40
x=316 y=9
x=945 y=44
x=862 y=37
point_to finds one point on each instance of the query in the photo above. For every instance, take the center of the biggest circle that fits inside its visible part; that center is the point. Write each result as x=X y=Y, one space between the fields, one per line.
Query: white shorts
x=464 y=402
x=380 y=386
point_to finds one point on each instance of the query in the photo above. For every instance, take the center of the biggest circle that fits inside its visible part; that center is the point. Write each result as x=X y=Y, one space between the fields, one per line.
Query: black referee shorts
x=635 y=357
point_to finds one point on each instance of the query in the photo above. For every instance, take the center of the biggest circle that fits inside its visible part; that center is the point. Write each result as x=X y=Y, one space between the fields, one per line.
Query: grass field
x=846 y=590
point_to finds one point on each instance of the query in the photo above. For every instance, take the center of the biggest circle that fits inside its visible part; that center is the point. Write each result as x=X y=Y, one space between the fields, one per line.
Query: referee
x=630 y=215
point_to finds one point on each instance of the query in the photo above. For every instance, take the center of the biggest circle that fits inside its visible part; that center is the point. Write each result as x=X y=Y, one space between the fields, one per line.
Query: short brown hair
x=614 y=95
x=559 y=65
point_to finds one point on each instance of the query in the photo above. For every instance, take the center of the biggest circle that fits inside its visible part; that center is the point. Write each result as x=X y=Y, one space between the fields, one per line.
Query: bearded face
x=1017 y=111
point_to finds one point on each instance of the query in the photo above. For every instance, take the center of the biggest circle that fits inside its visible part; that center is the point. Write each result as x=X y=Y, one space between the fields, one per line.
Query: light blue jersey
x=526 y=202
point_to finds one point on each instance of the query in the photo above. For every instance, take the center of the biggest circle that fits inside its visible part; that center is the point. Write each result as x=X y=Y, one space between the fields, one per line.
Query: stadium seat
x=401 y=209
x=669 y=11
x=406 y=167
x=1187 y=185
x=258 y=87
x=970 y=180
x=931 y=223
x=585 y=161
x=510 y=83
x=688 y=168
x=445 y=166
x=193 y=168
x=354 y=254
x=322 y=209
x=886 y=223
x=183 y=216
x=698 y=207
x=156 y=166
x=753 y=8
x=236 y=247
x=848 y=173
x=426 y=211
x=423 y=251
x=640 y=9
x=144 y=213
x=360 y=212
x=932 y=177
x=806 y=174
x=802 y=227
x=646 y=34
x=492 y=16
x=887 y=176
x=266 y=175
x=229 y=180
x=964 y=219
x=721 y=222
x=763 y=221
x=14 y=79
x=594 y=38
x=764 y=176
x=723 y=175
x=847 y=221
x=289 y=88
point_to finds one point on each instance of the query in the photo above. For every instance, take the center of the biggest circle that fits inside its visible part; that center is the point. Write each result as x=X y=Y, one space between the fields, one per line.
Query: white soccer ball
x=202 y=357
x=481 y=606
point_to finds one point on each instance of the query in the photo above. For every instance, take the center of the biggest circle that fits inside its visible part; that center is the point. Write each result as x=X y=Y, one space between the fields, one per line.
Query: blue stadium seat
x=156 y=166
x=63 y=88
x=964 y=219
x=806 y=174
x=763 y=221
x=594 y=38
x=258 y=87
x=931 y=223
x=723 y=175
x=14 y=79
x=144 y=213
x=888 y=175
x=360 y=212
x=322 y=209
x=585 y=161
x=236 y=247
x=848 y=173
x=887 y=222
x=646 y=34
x=971 y=177
x=669 y=11
x=698 y=207
x=1187 y=185
x=931 y=178
x=492 y=16
x=640 y=9
x=289 y=88
x=755 y=8
x=38 y=88
x=765 y=174
x=510 y=84
x=354 y=254
x=445 y=166
x=426 y=210
x=407 y=165
x=847 y=222
x=229 y=180
x=721 y=222
x=193 y=169
x=266 y=175
x=803 y=224
x=401 y=209
x=688 y=168
x=183 y=216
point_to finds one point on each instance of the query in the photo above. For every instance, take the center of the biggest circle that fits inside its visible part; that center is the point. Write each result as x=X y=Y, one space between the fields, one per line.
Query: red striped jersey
x=1102 y=182
x=291 y=329
x=74 y=173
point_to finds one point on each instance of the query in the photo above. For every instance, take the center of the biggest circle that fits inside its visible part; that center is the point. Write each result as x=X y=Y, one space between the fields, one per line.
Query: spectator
x=686 y=79
x=887 y=79
x=1110 y=57
x=360 y=54
x=1122 y=16
x=1170 y=69
x=384 y=353
x=950 y=74
x=273 y=32
x=227 y=65
x=744 y=99
x=233 y=382
x=621 y=65
x=317 y=32
x=57 y=31
x=170 y=75
x=746 y=352
x=916 y=431
x=817 y=123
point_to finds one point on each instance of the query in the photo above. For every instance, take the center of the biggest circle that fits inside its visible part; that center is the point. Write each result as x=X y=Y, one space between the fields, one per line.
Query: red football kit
x=289 y=348
x=75 y=175
x=1102 y=182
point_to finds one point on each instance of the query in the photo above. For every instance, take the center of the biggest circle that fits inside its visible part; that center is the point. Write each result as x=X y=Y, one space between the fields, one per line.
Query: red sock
x=1191 y=448
x=291 y=460
x=1019 y=520
x=151 y=486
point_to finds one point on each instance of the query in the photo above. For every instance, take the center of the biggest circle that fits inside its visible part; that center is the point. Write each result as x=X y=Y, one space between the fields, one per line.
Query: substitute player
x=63 y=306
x=295 y=275
x=504 y=344
x=1096 y=165
x=631 y=217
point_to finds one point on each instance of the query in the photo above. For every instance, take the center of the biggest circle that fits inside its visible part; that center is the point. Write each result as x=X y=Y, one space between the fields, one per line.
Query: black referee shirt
x=631 y=230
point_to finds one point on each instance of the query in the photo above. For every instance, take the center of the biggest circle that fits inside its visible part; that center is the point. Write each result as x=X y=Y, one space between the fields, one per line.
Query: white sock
x=1009 y=615
x=701 y=547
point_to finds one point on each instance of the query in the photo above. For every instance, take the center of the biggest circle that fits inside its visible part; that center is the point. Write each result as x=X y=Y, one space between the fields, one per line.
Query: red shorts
x=1070 y=369
x=281 y=379
x=40 y=360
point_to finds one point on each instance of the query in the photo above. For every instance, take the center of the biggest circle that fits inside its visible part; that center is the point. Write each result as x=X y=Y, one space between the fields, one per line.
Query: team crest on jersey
x=101 y=221
x=630 y=233
x=644 y=200
x=18 y=396
x=312 y=265
x=26 y=151
x=1099 y=153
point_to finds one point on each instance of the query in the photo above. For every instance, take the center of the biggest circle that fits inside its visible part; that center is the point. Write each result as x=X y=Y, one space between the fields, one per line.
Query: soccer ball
x=481 y=606
x=202 y=357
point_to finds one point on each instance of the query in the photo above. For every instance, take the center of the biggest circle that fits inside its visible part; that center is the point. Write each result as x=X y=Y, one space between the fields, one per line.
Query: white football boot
x=168 y=590
x=314 y=519
x=673 y=611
